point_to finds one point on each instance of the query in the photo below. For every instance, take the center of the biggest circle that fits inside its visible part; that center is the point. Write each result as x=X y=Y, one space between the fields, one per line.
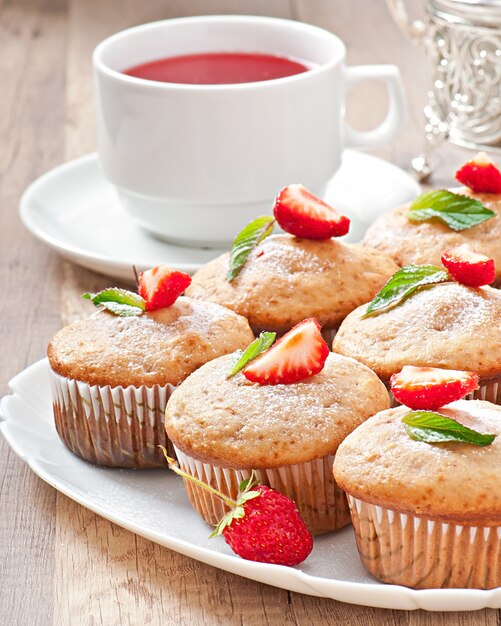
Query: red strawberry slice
x=301 y=213
x=469 y=267
x=429 y=388
x=161 y=286
x=480 y=175
x=299 y=354
x=270 y=531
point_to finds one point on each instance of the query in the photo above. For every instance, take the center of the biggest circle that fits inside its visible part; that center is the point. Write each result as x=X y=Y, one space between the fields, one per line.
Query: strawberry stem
x=175 y=468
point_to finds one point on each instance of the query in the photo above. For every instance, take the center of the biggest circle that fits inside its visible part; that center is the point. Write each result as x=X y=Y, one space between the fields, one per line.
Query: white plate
x=77 y=212
x=153 y=504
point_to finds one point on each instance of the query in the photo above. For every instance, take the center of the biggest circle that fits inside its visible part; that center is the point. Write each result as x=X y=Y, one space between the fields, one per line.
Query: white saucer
x=76 y=211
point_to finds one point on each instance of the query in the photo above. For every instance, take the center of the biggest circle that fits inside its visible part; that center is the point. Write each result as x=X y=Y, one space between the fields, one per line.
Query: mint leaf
x=118 y=301
x=458 y=212
x=262 y=343
x=436 y=428
x=246 y=240
x=404 y=283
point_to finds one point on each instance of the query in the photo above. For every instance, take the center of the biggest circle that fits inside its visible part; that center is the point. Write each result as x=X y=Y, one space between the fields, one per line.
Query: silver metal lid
x=486 y=13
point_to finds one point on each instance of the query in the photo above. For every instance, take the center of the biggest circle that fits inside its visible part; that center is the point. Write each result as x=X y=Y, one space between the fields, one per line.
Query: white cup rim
x=101 y=66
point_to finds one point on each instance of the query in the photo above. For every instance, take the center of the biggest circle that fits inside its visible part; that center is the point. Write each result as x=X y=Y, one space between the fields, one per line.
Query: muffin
x=111 y=376
x=287 y=279
x=448 y=325
x=425 y=515
x=409 y=242
x=222 y=429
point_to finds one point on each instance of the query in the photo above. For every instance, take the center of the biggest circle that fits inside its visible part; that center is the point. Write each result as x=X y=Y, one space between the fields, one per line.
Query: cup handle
x=397 y=111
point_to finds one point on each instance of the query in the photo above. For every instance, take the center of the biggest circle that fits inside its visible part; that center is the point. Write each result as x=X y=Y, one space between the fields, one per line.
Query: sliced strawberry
x=299 y=354
x=469 y=267
x=161 y=286
x=480 y=175
x=301 y=213
x=429 y=388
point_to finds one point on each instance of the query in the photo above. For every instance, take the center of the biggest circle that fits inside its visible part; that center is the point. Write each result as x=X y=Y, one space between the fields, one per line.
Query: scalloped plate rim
x=371 y=594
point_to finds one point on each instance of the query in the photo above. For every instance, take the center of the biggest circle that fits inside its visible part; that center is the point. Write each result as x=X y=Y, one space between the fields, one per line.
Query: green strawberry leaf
x=458 y=212
x=436 y=428
x=404 y=283
x=245 y=242
x=246 y=484
x=118 y=301
x=238 y=511
x=262 y=343
x=224 y=523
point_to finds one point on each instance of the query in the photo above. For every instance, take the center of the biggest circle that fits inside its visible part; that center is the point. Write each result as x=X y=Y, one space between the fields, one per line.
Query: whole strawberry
x=262 y=525
x=270 y=529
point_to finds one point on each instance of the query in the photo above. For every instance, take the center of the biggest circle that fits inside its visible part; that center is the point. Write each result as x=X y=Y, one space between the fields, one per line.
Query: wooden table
x=59 y=563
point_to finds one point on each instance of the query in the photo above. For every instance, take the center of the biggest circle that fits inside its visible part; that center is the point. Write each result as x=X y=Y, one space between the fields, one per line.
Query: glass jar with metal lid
x=463 y=39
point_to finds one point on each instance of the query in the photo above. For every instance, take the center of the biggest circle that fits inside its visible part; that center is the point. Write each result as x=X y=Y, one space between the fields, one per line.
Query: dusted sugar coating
x=423 y=242
x=287 y=279
x=450 y=482
x=235 y=423
x=158 y=347
x=447 y=325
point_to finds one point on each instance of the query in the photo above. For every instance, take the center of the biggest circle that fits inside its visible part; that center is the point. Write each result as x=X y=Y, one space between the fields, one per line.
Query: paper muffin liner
x=112 y=426
x=418 y=552
x=489 y=389
x=321 y=503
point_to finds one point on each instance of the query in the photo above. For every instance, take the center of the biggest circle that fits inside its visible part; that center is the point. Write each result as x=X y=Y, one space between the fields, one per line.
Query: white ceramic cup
x=194 y=163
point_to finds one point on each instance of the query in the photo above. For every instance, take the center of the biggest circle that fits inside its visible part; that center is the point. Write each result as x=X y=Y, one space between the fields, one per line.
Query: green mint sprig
x=458 y=212
x=404 y=283
x=433 y=427
x=245 y=242
x=259 y=345
x=120 y=302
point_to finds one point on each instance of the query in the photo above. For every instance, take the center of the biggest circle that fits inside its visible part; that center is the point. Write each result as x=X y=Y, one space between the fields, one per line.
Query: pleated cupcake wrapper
x=489 y=389
x=328 y=334
x=321 y=503
x=403 y=549
x=112 y=426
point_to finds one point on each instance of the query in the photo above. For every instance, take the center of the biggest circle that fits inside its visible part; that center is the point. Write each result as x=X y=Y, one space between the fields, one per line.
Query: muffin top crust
x=451 y=482
x=424 y=242
x=448 y=325
x=157 y=347
x=236 y=423
x=287 y=279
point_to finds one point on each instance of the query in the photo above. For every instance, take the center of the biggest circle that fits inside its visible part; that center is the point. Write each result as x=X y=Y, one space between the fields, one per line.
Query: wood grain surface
x=60 y=564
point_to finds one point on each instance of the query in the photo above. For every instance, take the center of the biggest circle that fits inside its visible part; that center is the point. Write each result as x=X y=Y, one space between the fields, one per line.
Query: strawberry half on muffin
x=279 y=410
x=111 y=374
x=275 y=281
